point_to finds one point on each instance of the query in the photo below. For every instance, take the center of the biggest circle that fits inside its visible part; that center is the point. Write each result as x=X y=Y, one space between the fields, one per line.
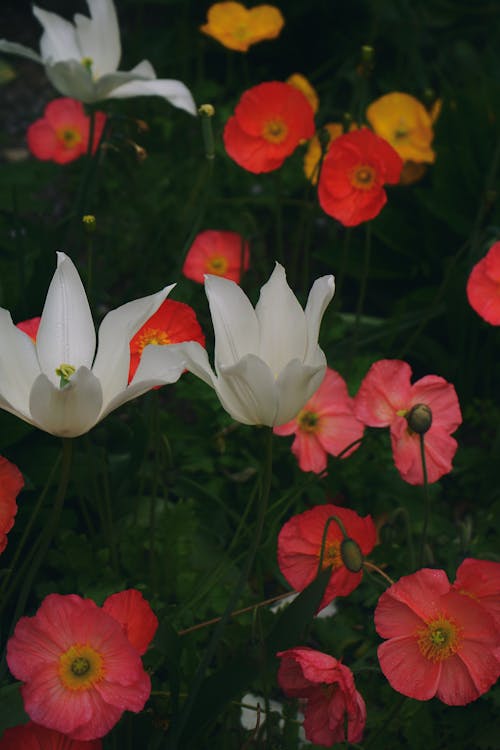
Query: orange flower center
x=80 y=667
x=440 y=638
x=332 y=555
x=152 y=336
x=363 y=177
x=275 y=130
x=308 y=421
x=217 y=265
x=241 y=32
x=70 y=137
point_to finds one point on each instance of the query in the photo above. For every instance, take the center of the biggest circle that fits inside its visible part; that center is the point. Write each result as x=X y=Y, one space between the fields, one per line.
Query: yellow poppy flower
x=405 y=123
x=237 y=27
x=300 y=82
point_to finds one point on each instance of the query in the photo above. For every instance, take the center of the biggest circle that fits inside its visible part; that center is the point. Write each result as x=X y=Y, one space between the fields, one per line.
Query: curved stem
x=427 y=507
x=235 y=594
x=371 y=566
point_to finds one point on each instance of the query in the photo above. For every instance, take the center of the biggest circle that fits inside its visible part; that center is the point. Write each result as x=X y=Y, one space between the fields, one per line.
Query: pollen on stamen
x=439 y=639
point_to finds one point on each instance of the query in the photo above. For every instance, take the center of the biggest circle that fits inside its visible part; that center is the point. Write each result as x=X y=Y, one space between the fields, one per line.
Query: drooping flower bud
x=351 y=554
x=419 y=419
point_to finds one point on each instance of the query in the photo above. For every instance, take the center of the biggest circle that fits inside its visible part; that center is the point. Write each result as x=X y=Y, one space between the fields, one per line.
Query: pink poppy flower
x=133 y=612
x=173 y=323
x=440 y=643
x=299 y=548
x=386 y=398
x=11 y=484
x=480 y=579
x=80 y=672
x=34 y=737
x=326 y=424
x=30 y=327
x=62 y=134
x=331 y=697
x=218 y=253
x=483 y=286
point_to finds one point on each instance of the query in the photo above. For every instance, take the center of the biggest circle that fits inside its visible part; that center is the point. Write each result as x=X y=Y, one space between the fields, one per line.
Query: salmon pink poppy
x=173 y=323
x=35 y=737
x=80 y=672
x=440 y=643
x=355 y=169
x=62 y=134
x=219 y=253
x=480 y=579
x=133 y=612
x=331 y=699
x=269 y=122
x=386 y=398
x=483 y=286
x=299 y=548
x=325 y=425
x=11 y=484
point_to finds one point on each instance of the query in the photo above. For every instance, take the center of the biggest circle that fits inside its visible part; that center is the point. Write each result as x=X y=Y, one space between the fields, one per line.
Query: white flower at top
x=267 y=360
x=81 y=59
x=57 y=384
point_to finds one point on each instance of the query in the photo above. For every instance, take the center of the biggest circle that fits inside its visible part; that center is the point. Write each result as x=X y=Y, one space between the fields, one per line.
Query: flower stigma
x=363 y=176
x=439 y=639
x=275 y=130
x=65 y=372
x=308 y=421
x=80 y=667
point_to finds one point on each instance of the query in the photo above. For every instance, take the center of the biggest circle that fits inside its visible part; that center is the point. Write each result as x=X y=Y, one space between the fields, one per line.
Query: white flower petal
x=248 y=391
x=283 y=333
x=58 y=40
x=194 y=358
x=99 y=36
x=108 y=83
x=70 y=78
x=320 y=296
x=18 y=366
x=235 y=323
x=66 y=334
x=176 y=92
x=296 y=384
x=112 y=360
x=13 y=48
x=69 y=411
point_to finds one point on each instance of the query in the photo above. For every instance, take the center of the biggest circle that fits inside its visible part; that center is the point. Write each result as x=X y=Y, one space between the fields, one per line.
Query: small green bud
x=352 y=557
x=207 y=112
x=419 y=419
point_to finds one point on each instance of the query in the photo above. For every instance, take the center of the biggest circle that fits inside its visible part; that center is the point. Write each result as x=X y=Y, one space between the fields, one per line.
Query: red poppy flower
x=483 y=286
x=269 y=122
x=326 y=424
x=299 y=548
x=30 y=327
x=35 y=737
x=133 y=612
x=11 y=484
x=354 y=170
x=172 y=323
x=218 y=253
x=440 y=643
x=328 y=688
x=387 y=399
x=62 y=134
x=480 y=579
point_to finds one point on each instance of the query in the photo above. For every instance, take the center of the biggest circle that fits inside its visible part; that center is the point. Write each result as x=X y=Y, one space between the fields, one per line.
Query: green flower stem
x=48 y=533
x=427 y=506
x=362 y=290
x=5 y=596
x=263 y=501
x=278 y=215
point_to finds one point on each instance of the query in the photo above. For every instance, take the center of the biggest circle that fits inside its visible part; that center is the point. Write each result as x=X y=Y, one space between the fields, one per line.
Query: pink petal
x=384 y=391
x=407 y=670
x=442 y=399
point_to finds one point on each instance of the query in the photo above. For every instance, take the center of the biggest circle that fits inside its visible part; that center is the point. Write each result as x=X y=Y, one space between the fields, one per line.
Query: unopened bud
x=351 y=554
x=207 y=112
x=367 y=59
x=419 y=419
x=89 y=223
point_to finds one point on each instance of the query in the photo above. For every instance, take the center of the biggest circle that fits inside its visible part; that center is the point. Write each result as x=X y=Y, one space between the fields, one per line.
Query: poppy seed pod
x=419 y=419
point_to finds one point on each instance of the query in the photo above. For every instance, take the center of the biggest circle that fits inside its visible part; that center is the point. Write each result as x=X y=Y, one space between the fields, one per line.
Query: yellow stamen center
x=69 y=137
x=65 y=372
x=217 y=265
x=87 y=62
x=440 y=638
x=332 y=555
x=80 y=667
x=275 y=130
x=154 y=336
x=308 y=421
x=363 y=177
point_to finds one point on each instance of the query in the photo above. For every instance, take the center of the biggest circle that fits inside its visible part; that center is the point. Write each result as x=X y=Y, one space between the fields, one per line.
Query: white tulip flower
x=56 y=384
x=81 y=60
x=267 y=361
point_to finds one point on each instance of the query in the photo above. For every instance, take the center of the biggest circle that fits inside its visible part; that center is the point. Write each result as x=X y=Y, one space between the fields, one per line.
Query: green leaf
x=11 y=707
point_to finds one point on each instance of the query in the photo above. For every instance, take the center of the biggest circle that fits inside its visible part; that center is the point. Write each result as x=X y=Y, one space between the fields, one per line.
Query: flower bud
x=419 y=419
x=89 y=222
x=351 y=554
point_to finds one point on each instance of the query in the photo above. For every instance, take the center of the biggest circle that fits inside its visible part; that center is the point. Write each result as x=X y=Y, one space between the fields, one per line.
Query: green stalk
x=427 y=507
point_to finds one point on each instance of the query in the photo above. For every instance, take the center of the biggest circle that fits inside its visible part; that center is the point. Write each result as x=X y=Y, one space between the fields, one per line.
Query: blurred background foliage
x=161 y=492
